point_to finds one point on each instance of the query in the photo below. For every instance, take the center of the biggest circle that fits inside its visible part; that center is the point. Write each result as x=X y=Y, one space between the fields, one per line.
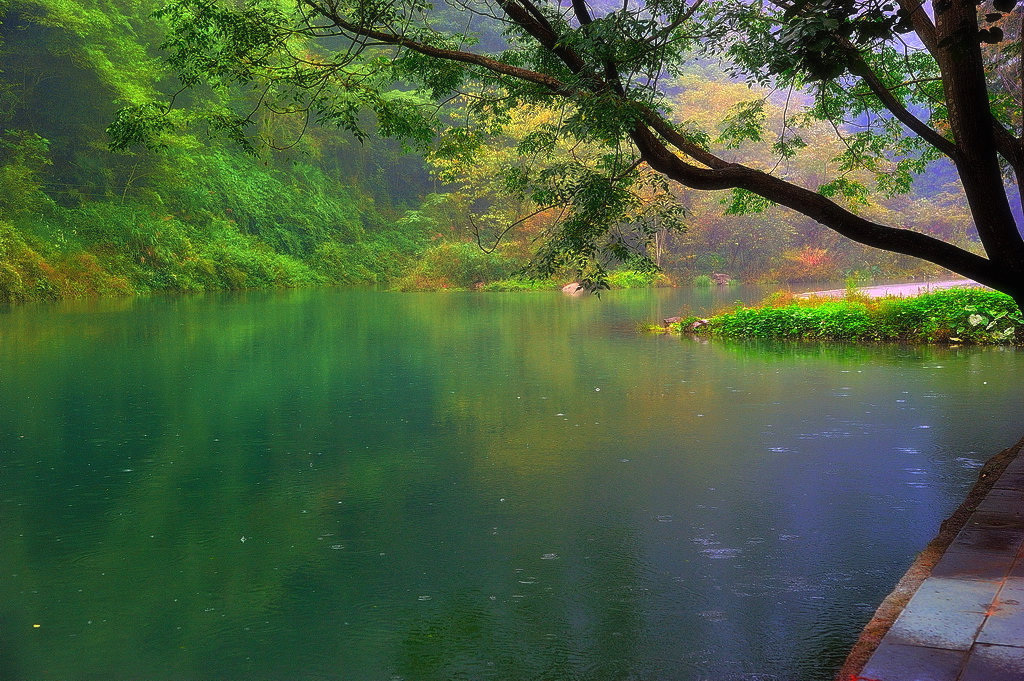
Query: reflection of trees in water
x=232 y=420
x=579 y=615
x=363 y=445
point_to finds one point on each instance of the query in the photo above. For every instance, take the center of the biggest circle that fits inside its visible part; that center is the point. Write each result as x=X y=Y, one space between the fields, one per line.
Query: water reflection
x=355 y=485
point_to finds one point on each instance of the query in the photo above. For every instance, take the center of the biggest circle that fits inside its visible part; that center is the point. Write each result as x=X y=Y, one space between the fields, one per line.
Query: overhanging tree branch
x=859 y=67
x=719 y=174
x=608 y=68
x=819 y=207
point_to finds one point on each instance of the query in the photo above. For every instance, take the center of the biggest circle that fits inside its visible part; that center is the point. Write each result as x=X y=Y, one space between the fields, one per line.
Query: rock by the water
x=573 y=289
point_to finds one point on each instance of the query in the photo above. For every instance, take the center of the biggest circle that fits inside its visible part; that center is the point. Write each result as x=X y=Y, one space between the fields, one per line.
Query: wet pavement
x=965 y=622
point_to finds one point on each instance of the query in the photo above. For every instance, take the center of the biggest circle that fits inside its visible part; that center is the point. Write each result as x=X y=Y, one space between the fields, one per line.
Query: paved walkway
x=899 y=290
x=966 y=620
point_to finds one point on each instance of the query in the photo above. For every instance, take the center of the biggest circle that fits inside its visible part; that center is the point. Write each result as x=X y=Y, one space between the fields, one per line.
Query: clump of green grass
x=636 y=279
x=521 y=284
x=702 y=281
x=954 y=316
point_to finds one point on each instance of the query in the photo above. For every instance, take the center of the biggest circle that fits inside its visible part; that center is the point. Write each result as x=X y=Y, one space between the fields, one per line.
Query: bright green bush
x=956 y=315
x=953 y=316
x=458 y=265
x=517 y=284
x=634 y=279
x=837 y=320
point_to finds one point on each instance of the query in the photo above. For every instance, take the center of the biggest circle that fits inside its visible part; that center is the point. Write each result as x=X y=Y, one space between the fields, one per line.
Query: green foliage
x=602 y=69
x=79 y=220
x=520 y=284
x=743 y=202
x=745 y=121
x=265 y=49
x=203 y=215
x=139 y=125
x=458 y=265
x=610 y=213
x=635 y=279
x=21 y=269
x=817 y=35
x=839 y=320
x=702 y=281
x=855 y=191
x=251 y=48
x=211 y=220
x=959 y=315
x=953 y=316
x=23 y=158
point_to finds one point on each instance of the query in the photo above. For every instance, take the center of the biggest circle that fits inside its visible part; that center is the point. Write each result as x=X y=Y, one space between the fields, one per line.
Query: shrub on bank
x=837 y=320
x=636 y=279
x=457 y=265
x=952 y=316
x=520 y=284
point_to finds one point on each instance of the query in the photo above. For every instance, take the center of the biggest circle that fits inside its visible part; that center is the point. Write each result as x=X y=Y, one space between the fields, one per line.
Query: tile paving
x=966 y=620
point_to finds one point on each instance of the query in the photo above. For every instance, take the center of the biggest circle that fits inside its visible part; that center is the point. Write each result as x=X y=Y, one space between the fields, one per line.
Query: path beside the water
x=899 y=290
x=965 y=621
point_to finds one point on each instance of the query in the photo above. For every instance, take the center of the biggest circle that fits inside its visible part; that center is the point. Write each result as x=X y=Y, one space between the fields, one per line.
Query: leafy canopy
x=903 y=85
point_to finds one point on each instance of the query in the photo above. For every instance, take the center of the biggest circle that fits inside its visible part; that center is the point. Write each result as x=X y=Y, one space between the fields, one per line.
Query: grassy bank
x=227 y=223
x=464 y=266
x=954 y=316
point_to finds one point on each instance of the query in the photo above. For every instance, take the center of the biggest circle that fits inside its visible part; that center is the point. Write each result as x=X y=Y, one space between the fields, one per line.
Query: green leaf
x=743 y=202
x=745 y=121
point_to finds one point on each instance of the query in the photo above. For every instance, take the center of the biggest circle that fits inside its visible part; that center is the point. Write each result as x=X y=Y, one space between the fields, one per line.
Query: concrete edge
x=921 y=568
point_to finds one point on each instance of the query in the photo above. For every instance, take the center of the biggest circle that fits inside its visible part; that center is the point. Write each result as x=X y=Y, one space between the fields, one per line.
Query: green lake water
x=370 y=486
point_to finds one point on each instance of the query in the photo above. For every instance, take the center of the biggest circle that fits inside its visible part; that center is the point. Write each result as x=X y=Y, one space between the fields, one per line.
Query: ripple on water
x=712 y=615
x=825 y=435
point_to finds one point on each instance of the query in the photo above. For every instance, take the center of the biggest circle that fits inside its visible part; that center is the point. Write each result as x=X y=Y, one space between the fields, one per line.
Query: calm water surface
x=368 y=486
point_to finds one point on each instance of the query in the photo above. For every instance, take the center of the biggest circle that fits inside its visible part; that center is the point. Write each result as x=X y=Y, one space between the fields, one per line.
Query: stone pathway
x=899 y=290
x=966 y=620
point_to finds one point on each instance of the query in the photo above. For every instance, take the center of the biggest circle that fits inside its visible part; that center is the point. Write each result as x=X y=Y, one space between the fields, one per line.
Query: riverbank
x=952 y=316
x=218 y=222
x=956 y=614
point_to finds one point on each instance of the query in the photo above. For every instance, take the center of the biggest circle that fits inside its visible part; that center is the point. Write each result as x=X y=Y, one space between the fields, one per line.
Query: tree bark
x=958 y=53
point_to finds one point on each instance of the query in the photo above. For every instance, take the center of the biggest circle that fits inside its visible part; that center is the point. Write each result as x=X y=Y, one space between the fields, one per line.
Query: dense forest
x=295 y=204
x=78 y=219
